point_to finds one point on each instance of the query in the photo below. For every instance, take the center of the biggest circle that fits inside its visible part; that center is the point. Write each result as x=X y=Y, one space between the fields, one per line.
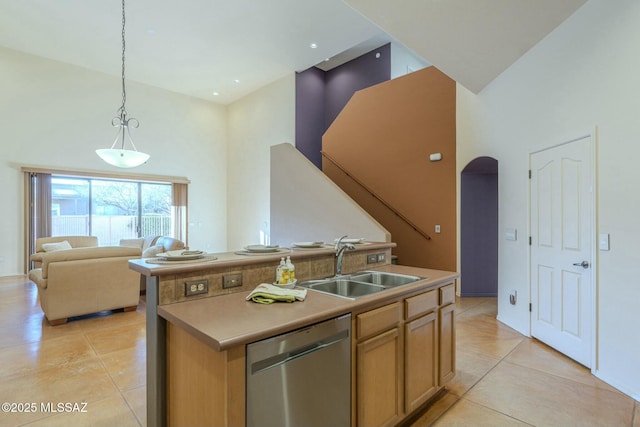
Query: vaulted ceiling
x=232 y=48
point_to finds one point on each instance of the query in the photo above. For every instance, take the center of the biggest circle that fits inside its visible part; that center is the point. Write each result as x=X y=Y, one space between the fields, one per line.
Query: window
x=110 y=208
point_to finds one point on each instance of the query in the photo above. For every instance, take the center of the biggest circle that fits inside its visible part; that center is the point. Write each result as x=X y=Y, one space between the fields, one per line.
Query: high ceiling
x=198 y=47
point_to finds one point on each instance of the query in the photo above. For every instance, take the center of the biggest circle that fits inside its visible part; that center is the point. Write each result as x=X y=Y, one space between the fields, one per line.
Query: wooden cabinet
x=378 y=377
x=378 y=366
x=403 y=357
x=447 y=335
x=421 y=360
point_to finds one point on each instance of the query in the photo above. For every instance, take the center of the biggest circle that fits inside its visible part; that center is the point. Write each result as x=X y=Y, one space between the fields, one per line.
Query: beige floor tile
x=127 y=367
x=480 y=337
x=487 y=307
x=537 y=355
x=112 y=411
x=470 y=368
x=81 y=381
x=543 y=399
x=32 y=328
x=108 y=338
x=137 y=399
x=45 y=354
x=465 y=413
x=463 y=304
x=111 y=319
x=435 y=410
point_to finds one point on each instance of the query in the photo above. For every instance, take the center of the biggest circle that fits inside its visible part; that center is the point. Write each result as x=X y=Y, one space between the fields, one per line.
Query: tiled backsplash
x=172 y=287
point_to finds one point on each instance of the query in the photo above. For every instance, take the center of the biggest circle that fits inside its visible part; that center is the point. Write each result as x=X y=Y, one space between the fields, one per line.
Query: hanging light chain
x=122 y=157
x=123 y=111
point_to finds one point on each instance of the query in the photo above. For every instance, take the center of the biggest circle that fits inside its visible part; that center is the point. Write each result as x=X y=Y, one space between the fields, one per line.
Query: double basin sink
x=360 y=284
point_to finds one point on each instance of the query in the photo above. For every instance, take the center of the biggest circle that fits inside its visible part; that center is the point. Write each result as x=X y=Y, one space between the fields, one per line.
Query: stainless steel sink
x=344 y=287
x=359 y=284
x=383 y=278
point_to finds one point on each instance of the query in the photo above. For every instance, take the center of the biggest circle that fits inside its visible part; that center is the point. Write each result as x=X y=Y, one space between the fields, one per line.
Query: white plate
x=262 y=248
x=180 y=255
x=308 y=244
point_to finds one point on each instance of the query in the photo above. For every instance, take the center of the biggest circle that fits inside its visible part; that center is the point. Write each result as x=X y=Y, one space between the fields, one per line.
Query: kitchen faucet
x=340 y=253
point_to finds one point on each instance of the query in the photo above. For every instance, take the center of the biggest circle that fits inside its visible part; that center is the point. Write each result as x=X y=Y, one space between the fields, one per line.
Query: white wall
x=584 y=74
x=255 y=123
x=404 y=61
x=307 y=206
x=56 y=115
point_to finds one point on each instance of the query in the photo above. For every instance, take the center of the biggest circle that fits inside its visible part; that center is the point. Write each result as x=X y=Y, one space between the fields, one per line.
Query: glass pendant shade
x=122 y=158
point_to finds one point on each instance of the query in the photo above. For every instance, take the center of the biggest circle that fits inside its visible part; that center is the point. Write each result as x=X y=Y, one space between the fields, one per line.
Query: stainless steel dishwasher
x=301 y=378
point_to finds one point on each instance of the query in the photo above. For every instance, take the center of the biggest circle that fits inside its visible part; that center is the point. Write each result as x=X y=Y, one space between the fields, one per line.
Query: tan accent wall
x=383 y=138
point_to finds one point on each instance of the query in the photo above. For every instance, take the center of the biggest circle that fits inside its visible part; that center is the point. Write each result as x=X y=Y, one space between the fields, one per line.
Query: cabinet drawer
x=447 y=294
x=420 y=304
x=377 y=320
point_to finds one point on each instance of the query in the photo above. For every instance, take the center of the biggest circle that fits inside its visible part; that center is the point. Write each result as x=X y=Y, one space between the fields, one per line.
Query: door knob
x=583 y=264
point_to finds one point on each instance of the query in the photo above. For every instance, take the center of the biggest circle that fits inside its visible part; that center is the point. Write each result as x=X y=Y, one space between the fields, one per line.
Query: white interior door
x=561 y=248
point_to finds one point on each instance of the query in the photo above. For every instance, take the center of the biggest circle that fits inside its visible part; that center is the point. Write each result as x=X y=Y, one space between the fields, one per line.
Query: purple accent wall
x=320 y=96
x=310 y=106
x=479 y=228
x=360 y=73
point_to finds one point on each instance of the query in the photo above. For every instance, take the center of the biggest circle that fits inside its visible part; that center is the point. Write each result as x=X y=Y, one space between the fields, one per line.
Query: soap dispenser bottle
x=292 y=270
x=280 y=271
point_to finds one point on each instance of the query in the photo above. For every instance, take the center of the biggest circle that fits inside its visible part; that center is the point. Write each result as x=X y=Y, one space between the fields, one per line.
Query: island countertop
x=234 y=259
x=228 y=321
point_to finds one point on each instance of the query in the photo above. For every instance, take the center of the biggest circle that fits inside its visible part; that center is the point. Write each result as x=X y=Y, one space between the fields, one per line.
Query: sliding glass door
x=109 y=209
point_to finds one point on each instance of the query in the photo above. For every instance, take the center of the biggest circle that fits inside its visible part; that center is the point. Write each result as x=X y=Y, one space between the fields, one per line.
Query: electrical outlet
x=196 y=287
x=372 y=259
x=381 y=258
x=231 y=280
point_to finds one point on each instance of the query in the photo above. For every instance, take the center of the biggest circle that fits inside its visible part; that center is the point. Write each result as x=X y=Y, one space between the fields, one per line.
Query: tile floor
x=502 y=377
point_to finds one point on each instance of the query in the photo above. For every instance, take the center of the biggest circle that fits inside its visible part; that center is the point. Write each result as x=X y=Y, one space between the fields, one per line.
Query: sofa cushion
x=75 y=241
x=86 y=253
x=169 y=243
x=152 y=251
x=56 y=246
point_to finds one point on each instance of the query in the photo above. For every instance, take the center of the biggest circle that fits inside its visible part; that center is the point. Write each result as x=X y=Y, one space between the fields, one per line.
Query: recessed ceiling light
x=216 y=93
x=236 y=81
x=313 y=45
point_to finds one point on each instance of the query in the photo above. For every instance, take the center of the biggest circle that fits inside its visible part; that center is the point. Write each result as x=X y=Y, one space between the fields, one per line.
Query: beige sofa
x=84 y=279
x=150 y=247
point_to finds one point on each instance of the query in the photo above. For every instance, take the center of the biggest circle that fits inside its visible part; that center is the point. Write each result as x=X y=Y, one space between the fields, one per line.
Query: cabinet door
x=379 y=380
x=447 y=338
x=421 y=360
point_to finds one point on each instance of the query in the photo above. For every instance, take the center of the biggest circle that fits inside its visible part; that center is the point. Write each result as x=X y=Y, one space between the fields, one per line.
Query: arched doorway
x=479 y=228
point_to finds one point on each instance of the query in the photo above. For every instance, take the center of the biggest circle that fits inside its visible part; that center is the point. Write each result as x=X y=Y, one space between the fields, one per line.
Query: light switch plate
x=511 y=234
x=603 y=242
x=232 y=280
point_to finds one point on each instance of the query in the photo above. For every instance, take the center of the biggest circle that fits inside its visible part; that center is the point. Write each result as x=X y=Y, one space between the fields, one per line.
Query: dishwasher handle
x=283 y=358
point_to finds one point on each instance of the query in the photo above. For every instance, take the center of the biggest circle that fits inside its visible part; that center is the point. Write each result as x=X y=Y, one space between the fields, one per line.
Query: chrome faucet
x=340 y=253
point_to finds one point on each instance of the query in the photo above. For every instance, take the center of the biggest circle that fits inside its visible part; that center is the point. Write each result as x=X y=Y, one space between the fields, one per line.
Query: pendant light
x=122 y=157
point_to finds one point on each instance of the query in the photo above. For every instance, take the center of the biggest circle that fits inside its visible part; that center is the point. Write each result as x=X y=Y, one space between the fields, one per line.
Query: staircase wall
x=383 y=138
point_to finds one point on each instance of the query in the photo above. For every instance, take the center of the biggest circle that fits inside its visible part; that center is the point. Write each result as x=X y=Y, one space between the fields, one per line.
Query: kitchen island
x=196 y=355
